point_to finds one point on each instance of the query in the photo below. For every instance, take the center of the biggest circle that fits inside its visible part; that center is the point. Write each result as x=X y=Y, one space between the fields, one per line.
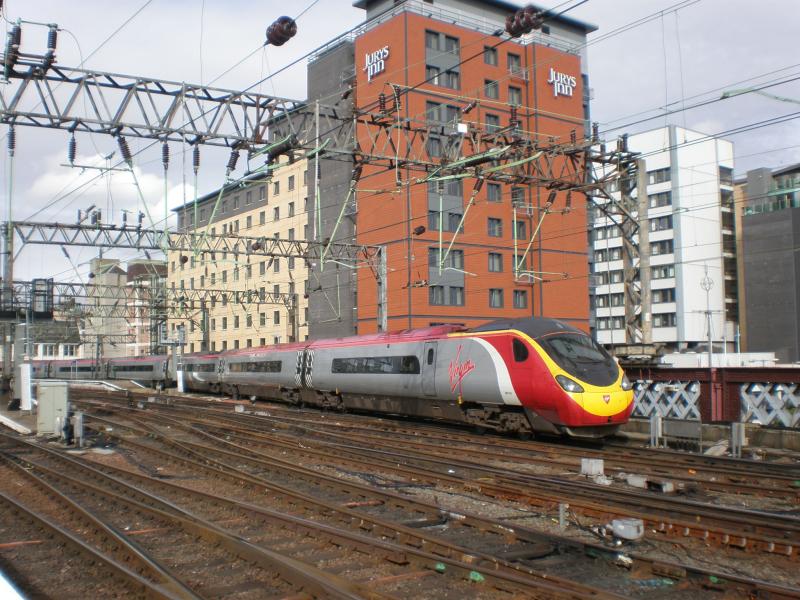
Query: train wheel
x=234 y=392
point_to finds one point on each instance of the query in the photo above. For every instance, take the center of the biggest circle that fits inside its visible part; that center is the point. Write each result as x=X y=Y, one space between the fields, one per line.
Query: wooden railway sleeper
x=392 y=552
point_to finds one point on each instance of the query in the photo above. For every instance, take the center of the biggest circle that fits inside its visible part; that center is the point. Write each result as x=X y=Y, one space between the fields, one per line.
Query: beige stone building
x=271 y=207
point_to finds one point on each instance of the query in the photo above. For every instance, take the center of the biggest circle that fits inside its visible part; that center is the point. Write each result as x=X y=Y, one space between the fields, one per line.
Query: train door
x=429 y=369
x=305 y=362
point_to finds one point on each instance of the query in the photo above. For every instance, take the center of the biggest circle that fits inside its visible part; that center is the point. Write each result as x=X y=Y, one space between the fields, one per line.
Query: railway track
x=724 y=526
x=276 y=546
x=695 y=472
x=268 y=468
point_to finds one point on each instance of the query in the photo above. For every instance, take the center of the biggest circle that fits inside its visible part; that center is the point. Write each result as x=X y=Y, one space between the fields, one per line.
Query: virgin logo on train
x=563 y=84
x=458 y=370
x=375 y=62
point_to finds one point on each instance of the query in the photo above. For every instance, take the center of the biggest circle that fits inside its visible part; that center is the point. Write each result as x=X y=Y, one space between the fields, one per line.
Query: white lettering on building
x=375 y=62
x=563 y=84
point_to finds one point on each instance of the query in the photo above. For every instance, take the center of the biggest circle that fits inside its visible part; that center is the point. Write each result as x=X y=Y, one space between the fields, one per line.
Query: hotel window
x=491 y=89
x=291 y=234
x=518 y=197
x=291 y=183
x=451 y=45
x=249 y=222
x=236 y=322
x=262 y=341
x=276 y=266
x=492 y=123
x=450 y=223
x=262 y=268
x=262 y=192
x=434 y=146
x=495 y=262
x=522 y=230
x=276 y=317
x=454 y=259
x=490 y=56
x=514 y=64
x=276 y=188
x=235 y=202
x=224 y=323
x=495 y=227
x=520 y=299
x=432 y=40
x=224 y=208
x=276 y=213
x=262 y=319
x=248 y=197
x=450 y=79
x=305 y=177
x=494 y=193
x=291 y=209
x=514 y=96
x=496 y=298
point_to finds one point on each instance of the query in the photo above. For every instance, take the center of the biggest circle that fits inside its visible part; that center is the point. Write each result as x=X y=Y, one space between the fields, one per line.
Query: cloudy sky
x=639 y=69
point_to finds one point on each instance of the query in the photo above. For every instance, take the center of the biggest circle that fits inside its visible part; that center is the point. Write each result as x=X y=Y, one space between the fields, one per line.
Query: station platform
x=21 y=421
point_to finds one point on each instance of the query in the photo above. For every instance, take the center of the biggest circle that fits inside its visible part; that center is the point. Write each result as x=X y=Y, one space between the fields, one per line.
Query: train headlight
x=568 y=384
x=626 y=383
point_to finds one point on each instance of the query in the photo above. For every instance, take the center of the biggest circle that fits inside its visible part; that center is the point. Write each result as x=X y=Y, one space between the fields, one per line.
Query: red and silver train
x=532 y=375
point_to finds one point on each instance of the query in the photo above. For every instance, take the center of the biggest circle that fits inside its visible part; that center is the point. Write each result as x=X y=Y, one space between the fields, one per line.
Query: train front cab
x=595 y=394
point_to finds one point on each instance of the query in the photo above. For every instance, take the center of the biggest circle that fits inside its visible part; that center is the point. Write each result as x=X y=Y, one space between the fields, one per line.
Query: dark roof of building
x=788 y=169
x=230 y=187
x=513 y=7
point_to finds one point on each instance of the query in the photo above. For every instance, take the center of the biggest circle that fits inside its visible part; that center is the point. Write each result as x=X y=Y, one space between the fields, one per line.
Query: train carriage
x=84 y=368
x=262 y=373
x=152 y=370
x=201 y=373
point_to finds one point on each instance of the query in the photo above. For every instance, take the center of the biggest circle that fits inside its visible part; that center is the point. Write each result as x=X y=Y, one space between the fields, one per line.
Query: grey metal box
x=53 y=407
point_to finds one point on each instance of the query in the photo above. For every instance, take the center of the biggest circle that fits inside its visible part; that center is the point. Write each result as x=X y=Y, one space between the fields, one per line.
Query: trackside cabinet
x=53 y=407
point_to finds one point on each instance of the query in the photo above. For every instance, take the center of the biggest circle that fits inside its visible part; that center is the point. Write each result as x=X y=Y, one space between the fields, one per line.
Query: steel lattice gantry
x=111 y=236
x=83 y=100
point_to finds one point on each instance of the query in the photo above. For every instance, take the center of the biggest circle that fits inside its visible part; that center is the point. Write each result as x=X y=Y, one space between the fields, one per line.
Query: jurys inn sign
x=375 y=62
x=563 y=84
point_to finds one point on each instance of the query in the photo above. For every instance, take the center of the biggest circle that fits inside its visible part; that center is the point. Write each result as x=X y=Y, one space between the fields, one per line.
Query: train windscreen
x=582 y=357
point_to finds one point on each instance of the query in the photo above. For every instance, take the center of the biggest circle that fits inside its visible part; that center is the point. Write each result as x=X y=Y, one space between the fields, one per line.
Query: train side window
x=520 y=351
x=430 y=356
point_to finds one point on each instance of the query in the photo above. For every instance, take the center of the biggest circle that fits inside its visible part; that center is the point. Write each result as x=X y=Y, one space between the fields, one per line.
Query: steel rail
x=715 y=524
x=699 y=576
x=300 y=575
x=550 y=587
x=119 y=545
x=141 y=585
x=760 y=484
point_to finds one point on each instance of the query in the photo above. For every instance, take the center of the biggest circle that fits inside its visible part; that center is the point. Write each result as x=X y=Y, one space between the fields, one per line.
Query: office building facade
x=692 y=238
